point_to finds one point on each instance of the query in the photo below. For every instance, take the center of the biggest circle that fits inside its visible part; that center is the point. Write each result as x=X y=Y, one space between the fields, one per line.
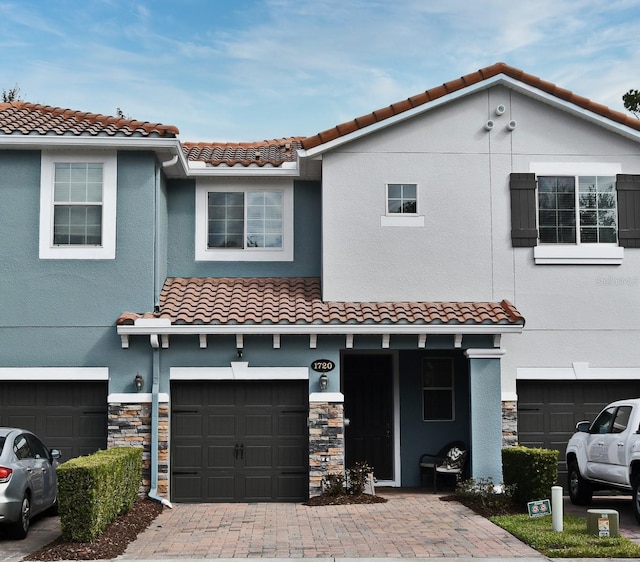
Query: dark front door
x=368 y=404
x=237 y=441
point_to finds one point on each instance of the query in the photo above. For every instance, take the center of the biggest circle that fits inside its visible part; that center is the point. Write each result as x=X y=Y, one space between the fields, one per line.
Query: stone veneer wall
x=509 y=423
x=130 y=426
x=326 y=442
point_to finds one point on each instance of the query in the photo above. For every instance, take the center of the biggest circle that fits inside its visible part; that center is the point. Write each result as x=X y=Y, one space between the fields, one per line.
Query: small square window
x=402 y=198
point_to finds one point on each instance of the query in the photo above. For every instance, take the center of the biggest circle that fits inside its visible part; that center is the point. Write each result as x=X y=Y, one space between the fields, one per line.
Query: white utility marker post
x=556 y=508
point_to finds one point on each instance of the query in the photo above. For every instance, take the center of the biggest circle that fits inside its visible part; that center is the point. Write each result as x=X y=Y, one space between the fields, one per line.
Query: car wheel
x=580 y=491
x=636 y=498
x=20 y=528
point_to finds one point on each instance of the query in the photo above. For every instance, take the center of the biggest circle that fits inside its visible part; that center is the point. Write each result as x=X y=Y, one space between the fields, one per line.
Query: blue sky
x=246 y=70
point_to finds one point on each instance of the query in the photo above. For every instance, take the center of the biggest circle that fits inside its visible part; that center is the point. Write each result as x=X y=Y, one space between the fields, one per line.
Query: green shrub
x=531 y=471
x=357 y=477
x=497 y=500
x=333 y=484
x=94 y=490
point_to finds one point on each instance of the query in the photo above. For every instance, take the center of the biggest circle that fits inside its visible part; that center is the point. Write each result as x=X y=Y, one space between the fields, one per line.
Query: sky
x=251 y=70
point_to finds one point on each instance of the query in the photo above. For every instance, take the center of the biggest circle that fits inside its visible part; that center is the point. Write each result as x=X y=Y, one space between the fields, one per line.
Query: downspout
x=155 y=344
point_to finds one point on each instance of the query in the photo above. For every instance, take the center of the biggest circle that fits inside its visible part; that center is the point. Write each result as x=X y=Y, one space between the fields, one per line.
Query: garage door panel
x=221 y=425
x=248 y=422
x=258 y=425
x=548 y=411
x=292 y=486
x=188 y=486
x=220 y=456
x=188 y=456
x=67 y=415
x=186 y=424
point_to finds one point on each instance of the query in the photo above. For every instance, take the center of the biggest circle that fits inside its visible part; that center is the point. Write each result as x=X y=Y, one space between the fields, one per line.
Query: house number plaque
x=323 y=365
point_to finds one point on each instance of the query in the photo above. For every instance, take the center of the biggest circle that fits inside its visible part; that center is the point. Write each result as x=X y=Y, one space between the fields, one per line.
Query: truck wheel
x=636 y=498
x=580 y=491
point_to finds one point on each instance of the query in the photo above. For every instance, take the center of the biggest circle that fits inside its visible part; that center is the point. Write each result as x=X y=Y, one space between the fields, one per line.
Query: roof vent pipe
x=512 y=125
x=489 y=125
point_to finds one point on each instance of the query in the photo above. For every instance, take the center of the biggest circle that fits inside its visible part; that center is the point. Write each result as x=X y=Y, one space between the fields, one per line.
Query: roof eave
x=500 y=79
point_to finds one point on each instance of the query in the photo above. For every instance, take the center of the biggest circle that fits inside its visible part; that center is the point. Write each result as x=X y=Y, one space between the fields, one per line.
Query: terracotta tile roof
x=23 y=118
x=267 y=152
x=298 y=301
x=464 y=82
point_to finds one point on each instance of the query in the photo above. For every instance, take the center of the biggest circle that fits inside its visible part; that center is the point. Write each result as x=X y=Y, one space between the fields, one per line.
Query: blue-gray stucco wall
x=307 y=237
x=63 y=312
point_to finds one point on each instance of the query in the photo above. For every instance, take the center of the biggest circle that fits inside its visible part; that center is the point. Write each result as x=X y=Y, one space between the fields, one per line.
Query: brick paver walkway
x=409 y=525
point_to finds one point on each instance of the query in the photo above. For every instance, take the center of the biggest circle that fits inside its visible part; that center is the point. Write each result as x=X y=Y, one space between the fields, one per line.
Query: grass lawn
x=572 y=542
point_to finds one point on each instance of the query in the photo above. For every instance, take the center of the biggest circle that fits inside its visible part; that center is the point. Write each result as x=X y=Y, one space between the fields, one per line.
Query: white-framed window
x=401 y=205
x=438 y=397
x=78 y=205
x=577 y=209
x=577 y=215
x=402 y=199
x=244 y=221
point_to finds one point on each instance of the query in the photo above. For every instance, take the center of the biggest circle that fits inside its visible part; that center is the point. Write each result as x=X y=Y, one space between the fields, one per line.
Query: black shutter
x=524 y=231
x=628 y=190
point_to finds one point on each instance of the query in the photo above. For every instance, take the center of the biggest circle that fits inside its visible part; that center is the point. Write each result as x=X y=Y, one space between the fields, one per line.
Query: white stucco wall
x=574 y=313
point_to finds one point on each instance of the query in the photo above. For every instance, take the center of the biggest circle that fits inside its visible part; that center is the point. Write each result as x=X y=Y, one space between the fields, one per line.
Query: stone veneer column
x=130 y=426
x=509 y=423
x=326 y=437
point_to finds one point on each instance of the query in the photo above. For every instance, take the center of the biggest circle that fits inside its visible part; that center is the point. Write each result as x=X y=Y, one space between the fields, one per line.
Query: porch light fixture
x=239 y=353
x=324 y=381
x=139 y=382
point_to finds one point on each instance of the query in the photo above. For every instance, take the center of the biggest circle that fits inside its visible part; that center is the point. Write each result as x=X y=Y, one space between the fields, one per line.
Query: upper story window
x=401 y=205
x=575 y=212
x=402 y=198
x=577 y=209
x=244 y=221
x=78 y=206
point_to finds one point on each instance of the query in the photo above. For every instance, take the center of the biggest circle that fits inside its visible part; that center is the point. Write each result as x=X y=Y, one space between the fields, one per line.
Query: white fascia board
x=324 y=329
x=408 y=114
x=569 y=107
x=54 y=374
x=45 y=142
x=244 y=171
x=500 y=79
x=135 y=397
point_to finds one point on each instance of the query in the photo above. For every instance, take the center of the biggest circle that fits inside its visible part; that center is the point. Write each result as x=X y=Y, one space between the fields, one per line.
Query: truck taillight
x=5 y=474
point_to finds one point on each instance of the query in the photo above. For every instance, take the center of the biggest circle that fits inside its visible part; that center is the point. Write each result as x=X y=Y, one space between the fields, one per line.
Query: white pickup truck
x=605 y=454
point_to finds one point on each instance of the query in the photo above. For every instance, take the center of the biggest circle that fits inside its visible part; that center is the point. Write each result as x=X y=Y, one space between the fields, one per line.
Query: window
x=437 y=389
x=245 y=221
x=78 y=206
x=577 y=209
x=236 y=223
x=402 y=199
x=401 y=208
x=602 y=422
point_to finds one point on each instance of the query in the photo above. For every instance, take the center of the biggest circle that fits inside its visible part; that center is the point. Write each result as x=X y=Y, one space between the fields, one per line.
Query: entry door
x=368 y=404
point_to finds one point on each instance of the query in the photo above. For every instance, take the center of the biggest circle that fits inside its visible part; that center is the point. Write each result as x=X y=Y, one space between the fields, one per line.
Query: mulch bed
x=110 y=544
x=344 y=499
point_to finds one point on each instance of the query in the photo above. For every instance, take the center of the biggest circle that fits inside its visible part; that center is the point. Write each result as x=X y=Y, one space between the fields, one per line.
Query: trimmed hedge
x=531 y=471
x=94 y=490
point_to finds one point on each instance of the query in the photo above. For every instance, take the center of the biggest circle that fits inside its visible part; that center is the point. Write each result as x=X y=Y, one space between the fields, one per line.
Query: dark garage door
x=67 y=415
x=549 y=410
x=235 y=441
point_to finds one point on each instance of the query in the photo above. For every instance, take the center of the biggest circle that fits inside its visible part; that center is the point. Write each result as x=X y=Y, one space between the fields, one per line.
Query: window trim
x=107 y=251
x=203 y=253
x=584 y=253
x=401 y=219
x=451 y=389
